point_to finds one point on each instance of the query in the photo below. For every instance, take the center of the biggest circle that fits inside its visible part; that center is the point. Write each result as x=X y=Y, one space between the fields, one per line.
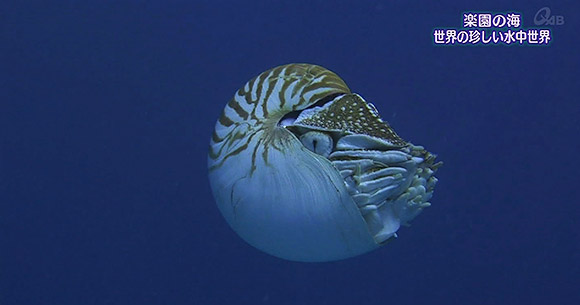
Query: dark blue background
x=107 y=108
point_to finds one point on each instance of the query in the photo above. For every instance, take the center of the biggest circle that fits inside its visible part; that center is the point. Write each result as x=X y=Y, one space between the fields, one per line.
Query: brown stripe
x=224 y=120
x=215 y=137
x=213 y=154
x=253 y=168
x=281 y=93
x=239 y=110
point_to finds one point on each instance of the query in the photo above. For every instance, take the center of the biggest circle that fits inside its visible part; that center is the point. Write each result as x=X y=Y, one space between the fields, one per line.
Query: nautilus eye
x=318 y=142
x=305 y=170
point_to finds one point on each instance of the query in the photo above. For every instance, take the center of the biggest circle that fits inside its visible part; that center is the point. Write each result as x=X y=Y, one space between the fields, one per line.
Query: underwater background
x=107 y=107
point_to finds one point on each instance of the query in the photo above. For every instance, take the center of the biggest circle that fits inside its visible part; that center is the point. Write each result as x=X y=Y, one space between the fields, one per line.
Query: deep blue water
x=107 y=108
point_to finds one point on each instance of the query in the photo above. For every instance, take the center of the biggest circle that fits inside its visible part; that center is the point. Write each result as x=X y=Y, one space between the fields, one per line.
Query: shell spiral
x=305 y=170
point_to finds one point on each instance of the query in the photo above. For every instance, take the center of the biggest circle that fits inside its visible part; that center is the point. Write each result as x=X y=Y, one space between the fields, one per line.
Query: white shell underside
x=313 y=219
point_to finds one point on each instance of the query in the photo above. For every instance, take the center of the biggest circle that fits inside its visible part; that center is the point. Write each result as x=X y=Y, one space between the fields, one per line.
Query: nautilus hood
x=305 y=170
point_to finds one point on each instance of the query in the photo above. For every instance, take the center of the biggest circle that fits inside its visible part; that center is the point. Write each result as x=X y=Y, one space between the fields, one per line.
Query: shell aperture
x=305 y=170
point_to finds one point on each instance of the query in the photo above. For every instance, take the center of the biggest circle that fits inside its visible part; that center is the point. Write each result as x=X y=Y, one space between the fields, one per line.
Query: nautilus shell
x=305 y=170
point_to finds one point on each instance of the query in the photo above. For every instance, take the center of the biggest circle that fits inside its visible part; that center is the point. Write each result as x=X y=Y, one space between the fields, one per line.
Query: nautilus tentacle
x=305 y=170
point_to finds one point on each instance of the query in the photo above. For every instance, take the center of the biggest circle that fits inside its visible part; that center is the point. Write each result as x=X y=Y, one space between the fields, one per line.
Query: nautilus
x=305 y=170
